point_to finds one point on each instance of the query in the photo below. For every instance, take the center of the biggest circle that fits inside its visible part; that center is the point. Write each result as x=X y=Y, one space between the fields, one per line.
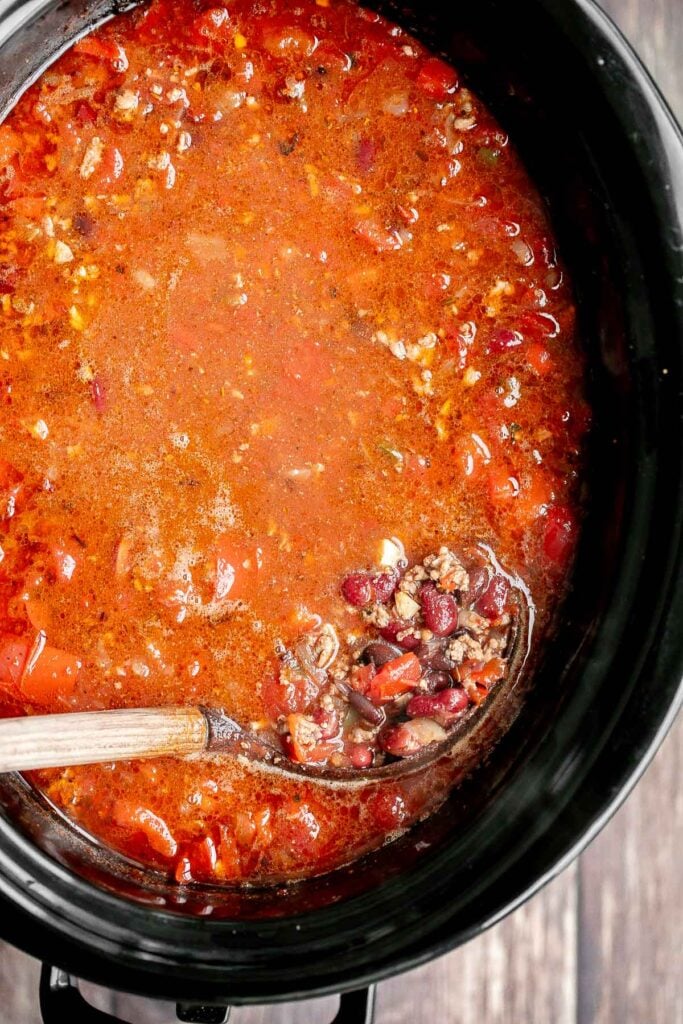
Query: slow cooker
x=608 y=156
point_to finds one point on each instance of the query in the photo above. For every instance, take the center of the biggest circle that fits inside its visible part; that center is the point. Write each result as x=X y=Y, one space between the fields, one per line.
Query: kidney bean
x=409 y=737
x=443 y=707
x=440 y=611
x=479 y=581
x=432 y=655
x=492 y=602
x=357 y=589
x=437 y=680
x=365 y=708
x=379 y=652
x=390 y=632
x=360 y=755
x=385 y=584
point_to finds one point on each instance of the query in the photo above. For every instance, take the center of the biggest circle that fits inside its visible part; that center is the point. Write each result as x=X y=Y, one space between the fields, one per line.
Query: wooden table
x=601 y=944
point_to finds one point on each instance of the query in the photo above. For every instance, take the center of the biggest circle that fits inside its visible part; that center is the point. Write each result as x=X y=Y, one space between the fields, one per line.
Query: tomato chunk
x=13 y=655
x=37 y=670
x=305 y=740
x=437 y=79
x=136 y=818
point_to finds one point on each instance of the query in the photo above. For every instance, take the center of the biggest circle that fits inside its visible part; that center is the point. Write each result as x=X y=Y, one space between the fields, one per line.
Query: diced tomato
x=437 y=79
x=535 y=495
x=305 y=742
x=560 y=534
x=362 y=676
x=503 y=485
x=37 y=609
x=13 y=655
x=104 y=49
x=539 y=359
x=292 y=690
x=110 y=168
x=48 y=672
x=377 y=237
x=396 y=677
x=136 y=818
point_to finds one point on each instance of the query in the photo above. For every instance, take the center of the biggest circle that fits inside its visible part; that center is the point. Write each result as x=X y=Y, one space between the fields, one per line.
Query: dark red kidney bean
x=360 y=755
x=379 y=652
x=492 y=602
x=432 y=655
x=479 y=581
x=390 y=632
x=409 y=737
x=437 y=680
x=439 y=610
x=357 y=589
x=444 y=707
x=385 y=584
x=365 y=708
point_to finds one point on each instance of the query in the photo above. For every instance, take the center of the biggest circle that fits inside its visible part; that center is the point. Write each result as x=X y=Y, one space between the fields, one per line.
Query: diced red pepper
x=396 y=677
x=477 y=678
x=437 y=79
x=48 y=672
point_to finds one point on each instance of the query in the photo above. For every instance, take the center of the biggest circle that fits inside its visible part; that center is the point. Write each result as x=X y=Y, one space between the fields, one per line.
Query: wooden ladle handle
x=90 y=737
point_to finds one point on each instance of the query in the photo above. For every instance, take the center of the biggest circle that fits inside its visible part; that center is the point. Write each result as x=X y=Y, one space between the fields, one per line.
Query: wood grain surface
x=602 y=943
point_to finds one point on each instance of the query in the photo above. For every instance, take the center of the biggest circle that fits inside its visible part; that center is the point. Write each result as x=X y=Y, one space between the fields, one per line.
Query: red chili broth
x=274 y=286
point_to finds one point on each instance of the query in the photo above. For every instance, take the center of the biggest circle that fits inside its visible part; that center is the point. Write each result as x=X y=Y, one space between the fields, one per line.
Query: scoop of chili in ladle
x=438 y=638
